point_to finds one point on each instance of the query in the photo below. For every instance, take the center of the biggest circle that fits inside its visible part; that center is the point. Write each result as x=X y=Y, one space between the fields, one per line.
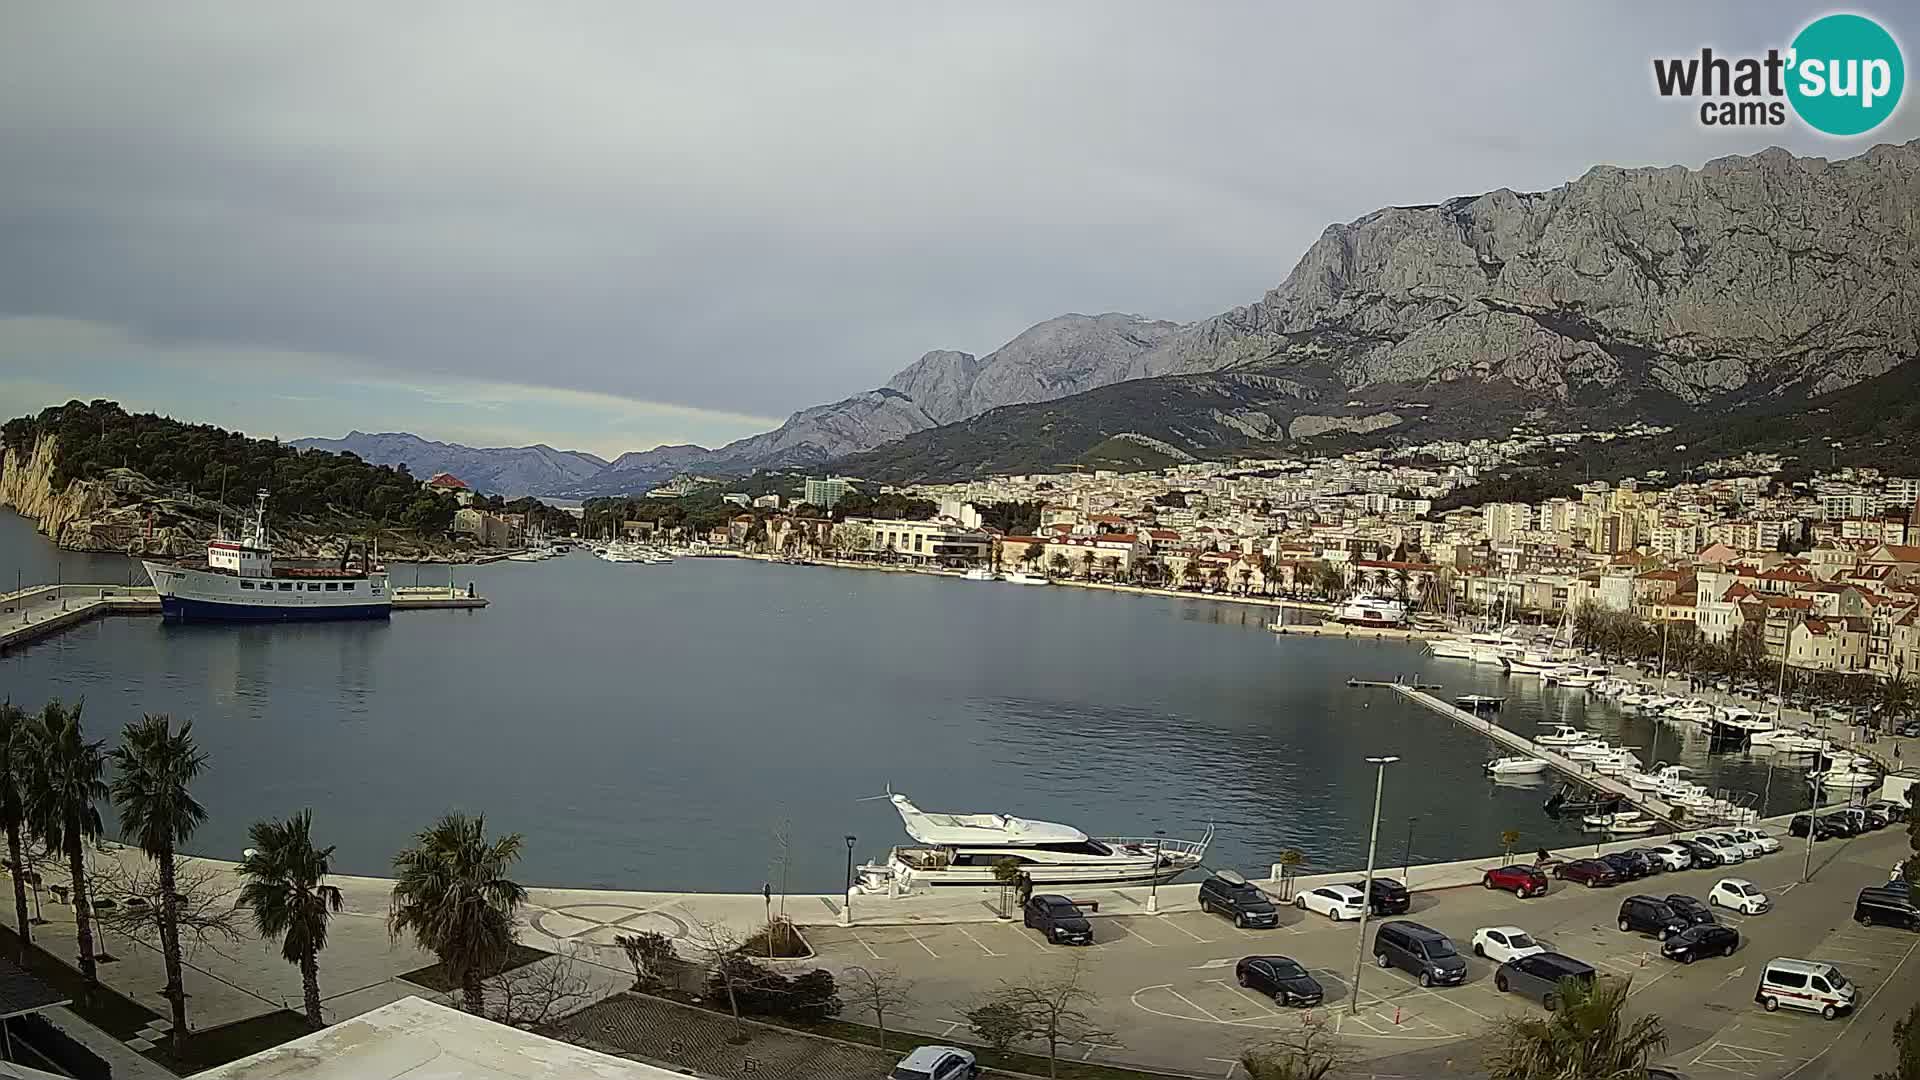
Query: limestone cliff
x=80 y=516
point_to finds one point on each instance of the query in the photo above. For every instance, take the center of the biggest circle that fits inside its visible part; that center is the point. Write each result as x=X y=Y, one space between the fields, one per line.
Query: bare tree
x=1311 y=1053
x=719 y=948
x=538 y=994
x=129 y=902
x=879 y=991
x=1052 y=1009
x=651 y=954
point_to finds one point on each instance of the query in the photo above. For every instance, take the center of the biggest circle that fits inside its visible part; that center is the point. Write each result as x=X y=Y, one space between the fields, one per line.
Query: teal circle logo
x=1846 y=74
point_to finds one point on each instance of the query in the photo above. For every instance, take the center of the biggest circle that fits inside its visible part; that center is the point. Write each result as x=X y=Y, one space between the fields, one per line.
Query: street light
x=1153 y=883
x=1813 y=818
x=1366 y=899
x=848 y=913
x=1406 y=855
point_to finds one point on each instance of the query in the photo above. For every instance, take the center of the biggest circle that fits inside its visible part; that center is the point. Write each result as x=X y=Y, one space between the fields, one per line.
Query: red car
x=1522 y=881
x=1589 y=872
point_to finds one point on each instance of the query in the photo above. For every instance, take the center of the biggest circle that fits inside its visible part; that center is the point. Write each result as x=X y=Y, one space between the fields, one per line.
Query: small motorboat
x=1516 y=766
x=1562 y=735
x=1567 y=800
x=1624 y=822
x=1479 y=702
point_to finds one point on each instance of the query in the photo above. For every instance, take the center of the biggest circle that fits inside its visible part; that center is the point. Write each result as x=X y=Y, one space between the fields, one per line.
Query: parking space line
x=1195 y=1007
x=1150 y=942
x=1345 y=1018
x=1265 y=1006
x=864 y=945
x=923 y=945
x=1021 y=934
x=1189 y=933
x=977 y=941
x=1411 y=985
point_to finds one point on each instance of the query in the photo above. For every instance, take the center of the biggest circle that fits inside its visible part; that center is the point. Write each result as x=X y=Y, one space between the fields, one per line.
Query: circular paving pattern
x=598 y=924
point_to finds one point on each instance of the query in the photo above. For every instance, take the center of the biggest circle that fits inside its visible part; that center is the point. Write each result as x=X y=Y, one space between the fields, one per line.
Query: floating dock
x=1656 y=808
x=40 y=611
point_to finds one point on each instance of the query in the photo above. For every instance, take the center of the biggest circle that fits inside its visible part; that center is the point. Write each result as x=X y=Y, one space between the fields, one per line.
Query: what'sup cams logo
x=1842 y=76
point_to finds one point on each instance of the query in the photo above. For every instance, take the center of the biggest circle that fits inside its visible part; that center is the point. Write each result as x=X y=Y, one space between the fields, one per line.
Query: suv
x=1058 y=919
x=1524 y=881
x=1420 y=951
x=1230 y=894
x=1387 y=897
x=1823 y=827
x=1887 y=907
x=1888 y=809
x=1538 y=976
x=1857 y=819
x=1841 y=824
x=936 y=1063
x=1703 y=857
x=1627 y=865
x=1651 y=915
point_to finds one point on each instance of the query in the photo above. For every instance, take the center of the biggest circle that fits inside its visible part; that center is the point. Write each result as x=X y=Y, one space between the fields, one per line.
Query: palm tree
x=62 y=785
x=1587 y=1037
x=453 y=895
x=287 y=892
x=1058 y=563
x=1035 y=552
x=1086 y=565
x=153 y=766
x=15 y=757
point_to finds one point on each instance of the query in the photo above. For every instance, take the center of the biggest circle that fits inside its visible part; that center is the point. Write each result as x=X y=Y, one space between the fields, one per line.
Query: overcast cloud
x=609 y=225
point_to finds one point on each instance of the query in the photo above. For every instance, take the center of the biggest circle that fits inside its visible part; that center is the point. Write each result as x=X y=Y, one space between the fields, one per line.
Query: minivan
x=1421 y=951
x=1886 y=907
x=1804 y=984
x=1538 y=976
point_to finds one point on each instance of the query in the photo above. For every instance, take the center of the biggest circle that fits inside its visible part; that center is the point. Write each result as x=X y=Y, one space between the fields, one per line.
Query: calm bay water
x=652 y=727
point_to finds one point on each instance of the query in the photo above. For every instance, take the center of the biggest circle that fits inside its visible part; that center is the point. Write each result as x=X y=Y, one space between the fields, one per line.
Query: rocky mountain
x=1657 y=292
x=509 y=471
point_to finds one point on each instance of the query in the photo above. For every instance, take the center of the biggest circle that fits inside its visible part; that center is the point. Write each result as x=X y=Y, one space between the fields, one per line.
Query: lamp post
x=846 y=914
x=1813 y=818
x=1153 y=883
x=1366 y=899
x=1406 y=856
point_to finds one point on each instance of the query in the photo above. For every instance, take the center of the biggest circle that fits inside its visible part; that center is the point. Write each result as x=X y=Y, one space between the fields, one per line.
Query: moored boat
x=238 y=582
x=962 y=849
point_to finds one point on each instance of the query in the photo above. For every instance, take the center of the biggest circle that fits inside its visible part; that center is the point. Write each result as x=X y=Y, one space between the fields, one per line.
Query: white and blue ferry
x=238 y=582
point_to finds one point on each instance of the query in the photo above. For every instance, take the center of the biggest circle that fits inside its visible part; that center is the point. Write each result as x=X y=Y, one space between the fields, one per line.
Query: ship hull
x=182 y=609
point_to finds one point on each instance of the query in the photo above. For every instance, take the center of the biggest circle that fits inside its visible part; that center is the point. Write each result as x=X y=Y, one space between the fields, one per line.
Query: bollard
x=846 y=909
x=1153 y=903
x=1396 y=1016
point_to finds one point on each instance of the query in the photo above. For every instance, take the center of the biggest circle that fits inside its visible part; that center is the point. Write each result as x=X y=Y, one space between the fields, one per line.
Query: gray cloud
x=756 y=209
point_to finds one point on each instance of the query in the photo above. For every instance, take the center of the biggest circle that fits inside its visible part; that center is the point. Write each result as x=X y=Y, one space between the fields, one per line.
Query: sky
x=608 y=226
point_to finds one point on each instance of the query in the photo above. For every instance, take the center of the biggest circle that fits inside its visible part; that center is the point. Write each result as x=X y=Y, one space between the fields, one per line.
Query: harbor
x=34 y=613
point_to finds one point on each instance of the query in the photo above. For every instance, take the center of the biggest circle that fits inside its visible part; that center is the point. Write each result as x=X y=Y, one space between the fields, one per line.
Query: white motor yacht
x=1516 y=766
x=1493 y=648
x=1848 y=773
x=1562 y=735
x=1592 y=750
x=961 y=849
x=981 y=573
x=1450 y=648
x=1363 y=609
x=1021 y=577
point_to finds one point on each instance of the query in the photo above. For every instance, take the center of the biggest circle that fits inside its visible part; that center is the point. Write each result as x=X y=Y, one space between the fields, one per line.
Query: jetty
x=1375 y=683
x=39 y=611
x=1645 y=802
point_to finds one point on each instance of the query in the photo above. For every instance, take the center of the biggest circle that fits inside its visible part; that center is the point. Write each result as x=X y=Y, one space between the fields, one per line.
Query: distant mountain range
x=508 y=471
x=1752 y=285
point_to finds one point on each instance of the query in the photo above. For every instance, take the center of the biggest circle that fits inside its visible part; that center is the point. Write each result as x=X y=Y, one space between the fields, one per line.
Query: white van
x=1804 y=984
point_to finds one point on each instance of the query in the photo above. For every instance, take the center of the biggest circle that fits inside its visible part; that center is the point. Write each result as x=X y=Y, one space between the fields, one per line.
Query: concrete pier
x=1656 y=808
x=33 y=613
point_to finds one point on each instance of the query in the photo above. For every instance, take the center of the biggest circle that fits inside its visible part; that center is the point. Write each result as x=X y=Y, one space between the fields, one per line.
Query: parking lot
x=1167 y=990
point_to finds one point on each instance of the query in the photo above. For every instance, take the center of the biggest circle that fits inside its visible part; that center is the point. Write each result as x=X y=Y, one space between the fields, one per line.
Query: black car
x=1421 y=951
x=1651 y=915
x=1697 y=941
x=1702 y=856
x=1887 y=906
x=1877 y=815
x=1625 y=868
x=1058 y=919
x=1388 y=897
x=1691 y=910
x=1636 y=863
x=1841 y=824
x=1653 y=862
x=1538 y=976
x=1824 y=827
x=1240 y=901
x=1281 y=978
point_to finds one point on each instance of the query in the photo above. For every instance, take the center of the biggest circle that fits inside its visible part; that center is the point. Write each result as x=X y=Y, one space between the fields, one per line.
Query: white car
x=937 y=1063
x=1721 y=846
x=1670 y=857
x=1334 y=901
x=1766 y=842
x=1739 y=894
x=1748 y=849
x=1503 y=943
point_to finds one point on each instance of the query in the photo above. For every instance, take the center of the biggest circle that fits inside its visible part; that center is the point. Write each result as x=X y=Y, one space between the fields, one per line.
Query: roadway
x=1166 y=983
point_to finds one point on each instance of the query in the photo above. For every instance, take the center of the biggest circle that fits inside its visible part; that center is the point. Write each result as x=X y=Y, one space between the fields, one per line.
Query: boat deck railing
x=1193 y=849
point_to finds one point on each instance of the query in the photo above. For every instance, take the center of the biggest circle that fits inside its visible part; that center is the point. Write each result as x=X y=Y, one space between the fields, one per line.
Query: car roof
x=1809 y=967
x=1414 y=928
x=1344 y=890
x=925 y=1057
x=1560 y=960
x=1507 y=930
x=1740 y=881
x=1272 y=958
x=1053 y=899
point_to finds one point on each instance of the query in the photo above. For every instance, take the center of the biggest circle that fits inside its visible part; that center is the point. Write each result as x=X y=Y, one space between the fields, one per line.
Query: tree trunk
x=20 y=872
x=470 y=990
x=1053 y=1054
x=170 y=950
x=82 y=917
x=880 y=1021
x=310 y=985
